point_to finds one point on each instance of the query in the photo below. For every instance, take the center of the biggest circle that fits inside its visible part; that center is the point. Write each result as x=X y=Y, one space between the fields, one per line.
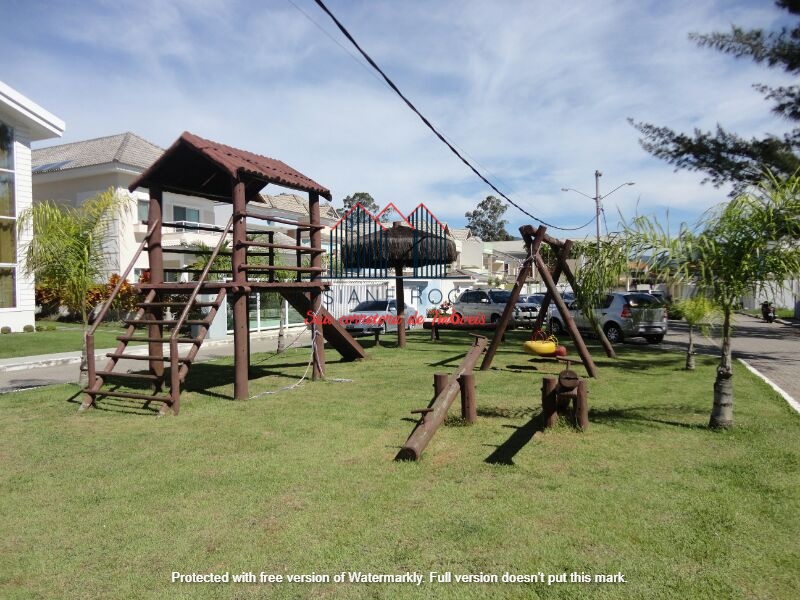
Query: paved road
x=21 y=376
x=772 y=348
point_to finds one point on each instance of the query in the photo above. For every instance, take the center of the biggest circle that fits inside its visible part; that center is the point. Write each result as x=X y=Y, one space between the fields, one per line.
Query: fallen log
x=431 y=420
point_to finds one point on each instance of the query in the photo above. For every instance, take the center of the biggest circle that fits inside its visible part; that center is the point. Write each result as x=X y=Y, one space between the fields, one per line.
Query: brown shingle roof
x=201 y=167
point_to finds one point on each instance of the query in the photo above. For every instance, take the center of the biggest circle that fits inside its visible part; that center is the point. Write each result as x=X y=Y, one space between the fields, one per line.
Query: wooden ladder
x=151 y=325
x=183 y=297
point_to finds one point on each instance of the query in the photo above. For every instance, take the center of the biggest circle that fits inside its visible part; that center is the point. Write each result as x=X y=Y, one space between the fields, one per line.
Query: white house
x=73 y=173
x=21 y=122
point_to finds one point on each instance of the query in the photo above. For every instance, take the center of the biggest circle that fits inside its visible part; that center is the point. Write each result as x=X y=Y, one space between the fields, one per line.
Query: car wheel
x=494 y=318
x=555 y=327
x=614 y=333
x=654 y=339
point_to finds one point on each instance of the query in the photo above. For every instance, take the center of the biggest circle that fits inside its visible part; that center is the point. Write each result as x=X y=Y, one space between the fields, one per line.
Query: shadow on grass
x=205 y=378
x=505 y=452
x=639 y=415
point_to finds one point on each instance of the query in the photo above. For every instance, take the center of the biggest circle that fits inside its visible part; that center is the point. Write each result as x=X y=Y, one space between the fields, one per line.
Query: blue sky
x=537 y=92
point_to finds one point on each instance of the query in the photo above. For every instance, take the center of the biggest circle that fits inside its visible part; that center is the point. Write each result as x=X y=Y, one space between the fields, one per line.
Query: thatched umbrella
x=398 y=247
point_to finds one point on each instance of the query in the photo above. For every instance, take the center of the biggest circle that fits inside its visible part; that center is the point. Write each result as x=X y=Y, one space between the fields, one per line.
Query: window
x=143 y=208
x=188 y=215
x=8 y=220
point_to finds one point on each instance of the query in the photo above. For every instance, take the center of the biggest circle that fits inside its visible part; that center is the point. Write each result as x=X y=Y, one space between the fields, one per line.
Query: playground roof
x=199 y=167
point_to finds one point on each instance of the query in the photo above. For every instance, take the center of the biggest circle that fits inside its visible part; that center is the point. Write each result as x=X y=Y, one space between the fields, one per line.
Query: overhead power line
x=435 y=131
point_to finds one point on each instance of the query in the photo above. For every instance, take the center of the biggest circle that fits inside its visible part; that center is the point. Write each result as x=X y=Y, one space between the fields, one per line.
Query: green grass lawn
x=107 y=503
x=67 y=337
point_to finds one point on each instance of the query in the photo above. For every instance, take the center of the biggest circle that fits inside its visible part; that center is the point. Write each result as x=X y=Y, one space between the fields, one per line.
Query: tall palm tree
x=748 y=243
x=70 y=248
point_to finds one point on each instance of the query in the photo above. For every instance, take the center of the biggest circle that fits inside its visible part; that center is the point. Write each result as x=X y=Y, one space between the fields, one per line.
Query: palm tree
x=699 y=313
x=746 y=244
x=70 y=248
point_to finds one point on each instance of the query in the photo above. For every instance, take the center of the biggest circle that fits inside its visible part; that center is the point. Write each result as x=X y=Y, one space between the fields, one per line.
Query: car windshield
x=643 y=301
x=371 y=305
x=500 y=297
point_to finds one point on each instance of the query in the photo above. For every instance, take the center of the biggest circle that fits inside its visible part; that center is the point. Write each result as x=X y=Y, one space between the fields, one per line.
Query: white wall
x=23 y=313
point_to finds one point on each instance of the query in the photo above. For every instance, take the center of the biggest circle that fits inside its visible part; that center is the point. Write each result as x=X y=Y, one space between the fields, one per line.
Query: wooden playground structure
x=195 y=166
x=557 y=393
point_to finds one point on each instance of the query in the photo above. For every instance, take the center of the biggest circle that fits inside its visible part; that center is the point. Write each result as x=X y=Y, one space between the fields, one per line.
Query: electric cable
x=430 y=126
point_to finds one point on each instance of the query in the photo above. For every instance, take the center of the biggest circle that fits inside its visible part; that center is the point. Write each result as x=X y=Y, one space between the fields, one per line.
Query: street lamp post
x=598 y=199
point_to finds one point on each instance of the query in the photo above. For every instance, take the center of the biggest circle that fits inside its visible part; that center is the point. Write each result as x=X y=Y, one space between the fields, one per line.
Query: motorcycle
x=767 y=312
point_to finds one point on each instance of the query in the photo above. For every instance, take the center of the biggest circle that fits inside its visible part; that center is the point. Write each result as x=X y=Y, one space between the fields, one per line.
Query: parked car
x=373 y=316
x=622 y=315
x=490 y=304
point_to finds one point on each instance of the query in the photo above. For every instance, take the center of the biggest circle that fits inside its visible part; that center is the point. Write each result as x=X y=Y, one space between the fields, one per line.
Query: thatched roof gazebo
x=400 y=247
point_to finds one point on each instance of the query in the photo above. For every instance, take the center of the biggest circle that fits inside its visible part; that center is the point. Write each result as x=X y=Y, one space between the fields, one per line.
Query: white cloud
x=537 y=93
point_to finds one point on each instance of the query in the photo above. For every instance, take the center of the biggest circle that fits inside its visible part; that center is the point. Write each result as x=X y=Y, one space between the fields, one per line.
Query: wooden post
x=155 y=258
x=582 y=406
x=435 y=414
x=549 y=401
x=562 y=254
x=241 y=327
x=439 y=383
x=609 y=349
x=586 y=358
x=401 y=306
x=318 y=341
x=469 y=408
x=500 y=330
x=92 y=372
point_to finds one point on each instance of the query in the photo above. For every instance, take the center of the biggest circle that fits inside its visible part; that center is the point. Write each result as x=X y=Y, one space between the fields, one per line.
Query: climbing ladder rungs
x=165 y=340
x=167 y=304
x=130 y=395
x=165 y=322
x=125 y=375
x=144 y=357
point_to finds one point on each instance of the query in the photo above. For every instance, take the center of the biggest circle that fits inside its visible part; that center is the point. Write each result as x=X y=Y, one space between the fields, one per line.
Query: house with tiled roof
x=72 y=173
x=21 y=122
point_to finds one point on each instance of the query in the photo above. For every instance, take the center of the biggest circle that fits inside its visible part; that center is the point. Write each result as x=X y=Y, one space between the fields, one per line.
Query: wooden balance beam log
x=446 y=390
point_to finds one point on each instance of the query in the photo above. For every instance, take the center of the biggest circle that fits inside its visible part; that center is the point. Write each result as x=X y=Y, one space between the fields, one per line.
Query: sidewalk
x=772 y=349
x=46 y=369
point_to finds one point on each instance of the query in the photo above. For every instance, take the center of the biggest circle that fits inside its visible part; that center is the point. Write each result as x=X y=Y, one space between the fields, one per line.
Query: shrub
x=28 y=328
x=45 y=327
x=48 y=297
x=5 y=329
x=675 y=311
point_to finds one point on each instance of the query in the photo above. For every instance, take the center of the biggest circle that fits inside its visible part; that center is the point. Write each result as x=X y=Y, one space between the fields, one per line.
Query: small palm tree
x=699 y=313
x=70 y=248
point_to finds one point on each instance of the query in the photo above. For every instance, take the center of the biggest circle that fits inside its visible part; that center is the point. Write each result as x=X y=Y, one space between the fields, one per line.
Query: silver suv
x=490 y=304
x=622 y=315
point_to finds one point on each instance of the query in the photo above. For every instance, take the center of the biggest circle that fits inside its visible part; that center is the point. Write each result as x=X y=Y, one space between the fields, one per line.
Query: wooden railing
x=104 y=310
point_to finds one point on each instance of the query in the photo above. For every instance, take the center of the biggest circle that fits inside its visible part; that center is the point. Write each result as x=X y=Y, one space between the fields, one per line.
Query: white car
x=490 y=304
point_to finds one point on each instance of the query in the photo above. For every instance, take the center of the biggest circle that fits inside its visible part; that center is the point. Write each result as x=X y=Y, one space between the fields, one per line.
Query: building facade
x=21 y=123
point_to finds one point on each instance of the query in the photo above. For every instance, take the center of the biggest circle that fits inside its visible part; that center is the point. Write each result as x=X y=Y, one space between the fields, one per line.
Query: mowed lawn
x=108 y=503
x=66 y=337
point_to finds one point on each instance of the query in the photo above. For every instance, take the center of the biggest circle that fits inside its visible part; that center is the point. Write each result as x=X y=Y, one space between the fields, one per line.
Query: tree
x=699 y=313
x=724 y=156
x=365 y=200
x=599 y=270
x=745 y=245
x=70 y=248
x=486 y=220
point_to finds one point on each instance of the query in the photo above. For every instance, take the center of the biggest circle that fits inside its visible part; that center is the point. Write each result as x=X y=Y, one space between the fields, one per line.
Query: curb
x=792 y=402
x=74 y=358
